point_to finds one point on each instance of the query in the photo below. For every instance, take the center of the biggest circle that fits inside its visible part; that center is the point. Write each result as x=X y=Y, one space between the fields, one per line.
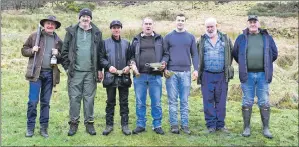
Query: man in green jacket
x=79 y=53
x=215 y=70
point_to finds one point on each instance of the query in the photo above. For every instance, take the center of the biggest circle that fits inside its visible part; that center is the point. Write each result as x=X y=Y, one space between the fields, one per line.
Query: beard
x=211 y=34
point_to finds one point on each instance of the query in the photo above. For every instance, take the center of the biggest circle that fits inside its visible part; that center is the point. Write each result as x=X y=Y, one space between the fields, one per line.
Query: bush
x=162 y=15
x=75 y=6
x=289 y=9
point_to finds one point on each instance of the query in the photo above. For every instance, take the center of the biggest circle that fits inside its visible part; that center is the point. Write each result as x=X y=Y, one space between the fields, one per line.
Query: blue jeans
x=40 y=89
x=153 y=83
x=178 y=85
x=214 y=92
x=256 y=85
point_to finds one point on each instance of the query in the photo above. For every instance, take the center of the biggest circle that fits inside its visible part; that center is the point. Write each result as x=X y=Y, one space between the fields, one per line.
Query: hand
x=163 y=66
x=126 y=70
x=166 y=73
x=35 y=49
x=100 y=75
x=54 y=51
x=194 y=75
x=112 y=69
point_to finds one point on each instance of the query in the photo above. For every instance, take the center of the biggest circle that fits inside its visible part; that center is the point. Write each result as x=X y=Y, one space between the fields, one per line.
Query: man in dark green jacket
x=215 y=70
x=79 y=53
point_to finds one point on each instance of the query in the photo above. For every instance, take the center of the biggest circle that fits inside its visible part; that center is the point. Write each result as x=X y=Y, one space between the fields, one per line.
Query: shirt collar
x=142 y=34
x=84 y=29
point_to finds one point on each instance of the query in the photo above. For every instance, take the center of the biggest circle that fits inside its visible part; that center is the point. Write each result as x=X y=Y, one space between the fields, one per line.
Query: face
x=180 y=22
x=85 y=20
x=115 y=30
x=253 y=25
x=211 y=29
x=49 y=26
x=147 y=26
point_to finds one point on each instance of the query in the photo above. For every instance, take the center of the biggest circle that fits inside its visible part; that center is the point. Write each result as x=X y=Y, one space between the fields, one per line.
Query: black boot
x=246 y=112
x=124 y=123
x=44 y=130
x=90 y=128
x=265 y=116
x=29 y=132
x=108 y=130
x=73 y=127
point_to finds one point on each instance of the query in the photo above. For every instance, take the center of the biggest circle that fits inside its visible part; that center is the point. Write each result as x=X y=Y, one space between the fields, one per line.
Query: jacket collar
x=262 y=31
x=73 y=28
x=137 y=37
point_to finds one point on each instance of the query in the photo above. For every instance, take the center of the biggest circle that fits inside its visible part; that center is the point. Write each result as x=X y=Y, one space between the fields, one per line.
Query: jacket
x=270 y=54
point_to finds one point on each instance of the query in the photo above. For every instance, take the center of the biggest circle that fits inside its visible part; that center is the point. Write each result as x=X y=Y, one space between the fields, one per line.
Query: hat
x=252 y=17
x=51 y=18
x=116 y=22
x=85 y=11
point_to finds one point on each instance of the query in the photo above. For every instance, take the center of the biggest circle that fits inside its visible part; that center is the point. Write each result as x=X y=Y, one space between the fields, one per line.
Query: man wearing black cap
x=114 y=58
x=255 y=51
x=45 y=75
x=80 y=60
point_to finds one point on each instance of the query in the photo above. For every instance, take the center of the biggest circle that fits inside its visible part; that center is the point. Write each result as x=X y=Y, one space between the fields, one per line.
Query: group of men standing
x=84 y=54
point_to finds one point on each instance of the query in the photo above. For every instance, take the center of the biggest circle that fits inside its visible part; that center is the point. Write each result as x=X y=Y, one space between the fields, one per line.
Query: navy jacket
x=270 y=54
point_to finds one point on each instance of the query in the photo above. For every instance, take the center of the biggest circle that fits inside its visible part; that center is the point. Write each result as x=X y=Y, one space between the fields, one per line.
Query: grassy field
x=17 y=25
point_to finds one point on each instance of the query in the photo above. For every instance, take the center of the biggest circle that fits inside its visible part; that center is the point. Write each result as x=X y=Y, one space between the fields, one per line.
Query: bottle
x=53 y=60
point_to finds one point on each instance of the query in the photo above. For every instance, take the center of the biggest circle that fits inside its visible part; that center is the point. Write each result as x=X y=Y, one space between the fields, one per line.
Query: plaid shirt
x=214 y=55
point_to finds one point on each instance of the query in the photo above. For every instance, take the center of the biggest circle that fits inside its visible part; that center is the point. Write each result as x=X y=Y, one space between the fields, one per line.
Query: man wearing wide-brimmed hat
x=45 y=74
x=80 y=60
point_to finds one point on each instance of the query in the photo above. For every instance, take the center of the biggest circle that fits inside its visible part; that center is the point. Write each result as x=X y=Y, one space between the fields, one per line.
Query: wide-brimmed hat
x=51 y=18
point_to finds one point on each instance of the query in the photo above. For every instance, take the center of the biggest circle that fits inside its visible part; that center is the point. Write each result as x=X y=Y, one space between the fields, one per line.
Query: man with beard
x=255 y=51
x=147 y=47
x=181 y=46
x=80 y=52
x=215 y=70
x=114 y=57
x=45 y=75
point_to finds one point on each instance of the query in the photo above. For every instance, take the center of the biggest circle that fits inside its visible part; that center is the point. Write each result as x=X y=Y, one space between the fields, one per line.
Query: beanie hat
x=85 y=11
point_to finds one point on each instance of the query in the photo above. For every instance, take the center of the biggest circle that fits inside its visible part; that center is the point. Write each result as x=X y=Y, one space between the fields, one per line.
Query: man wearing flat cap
x=114 y=58
x=255 y=51
x=80 y=60
x=45 y=74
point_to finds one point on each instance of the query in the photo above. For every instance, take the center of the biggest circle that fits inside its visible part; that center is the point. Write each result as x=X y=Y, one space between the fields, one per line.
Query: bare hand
x=166 y=73
x=54 y=51
x=112 y=69
x=100 y=75
x=35 y=49
x=126 y=70
x=194 y=75
x=163 y=66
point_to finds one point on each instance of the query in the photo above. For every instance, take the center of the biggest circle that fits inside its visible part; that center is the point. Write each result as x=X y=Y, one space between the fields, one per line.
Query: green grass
x=283 y=91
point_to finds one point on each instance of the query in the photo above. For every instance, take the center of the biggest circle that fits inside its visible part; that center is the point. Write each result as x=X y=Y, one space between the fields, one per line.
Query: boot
x=108 y=130
x=29 y=132
x=44 y=130
x=73 y=127
x=265 y=116
x=90 y=128
x=125 y=129
x=246 y=112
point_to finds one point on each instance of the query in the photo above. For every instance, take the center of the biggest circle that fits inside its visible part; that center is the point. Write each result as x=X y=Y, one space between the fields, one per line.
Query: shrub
x=289 y=9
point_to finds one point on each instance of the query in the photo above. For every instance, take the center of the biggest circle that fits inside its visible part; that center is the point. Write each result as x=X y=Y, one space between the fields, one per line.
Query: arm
x=65 y=51
x=27 y=47
x=100 y=48
x=194 y=54
x=274 y=49
x=165 y=55
x=59 y=48
x=132 y=52
x=230 y=49
x=235 y=51
x=103 y=57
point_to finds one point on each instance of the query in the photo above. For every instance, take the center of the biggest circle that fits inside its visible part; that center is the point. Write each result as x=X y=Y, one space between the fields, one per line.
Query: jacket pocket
x=108 y=79
x=231 y=72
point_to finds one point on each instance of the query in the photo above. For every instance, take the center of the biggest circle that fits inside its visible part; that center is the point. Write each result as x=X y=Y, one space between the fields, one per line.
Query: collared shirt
x=143 y=34
x=214 y=55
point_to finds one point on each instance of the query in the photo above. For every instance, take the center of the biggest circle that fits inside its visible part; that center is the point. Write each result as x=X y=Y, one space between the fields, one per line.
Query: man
x=115 y=56
x=147 y=47
x=215 y=70
x=181 y=46
x=45 y=75
x=80 y=51
x=255 y=51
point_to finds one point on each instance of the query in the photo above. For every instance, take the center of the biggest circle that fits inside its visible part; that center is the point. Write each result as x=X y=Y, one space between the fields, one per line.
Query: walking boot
x=90 y=128
x=108 y=130
x=73 y=127
x=125 y=129
x=265 y=116
x=44 y=130
x=246 y=112
x=124 y=123
x=29 y=132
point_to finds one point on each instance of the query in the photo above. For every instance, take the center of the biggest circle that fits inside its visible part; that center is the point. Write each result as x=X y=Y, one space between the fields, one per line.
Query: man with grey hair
x=147 y=47
x=215 y=70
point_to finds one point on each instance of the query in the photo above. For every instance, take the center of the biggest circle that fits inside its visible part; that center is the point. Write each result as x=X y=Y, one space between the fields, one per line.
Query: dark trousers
x=214 y=91
x=40 y=90
x=123 y=102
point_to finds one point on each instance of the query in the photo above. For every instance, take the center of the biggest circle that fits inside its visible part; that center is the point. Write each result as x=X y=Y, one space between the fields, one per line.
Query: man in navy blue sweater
x=181 y=46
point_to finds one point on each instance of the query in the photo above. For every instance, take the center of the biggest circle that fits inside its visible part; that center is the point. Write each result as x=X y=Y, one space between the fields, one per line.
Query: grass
x=283 y=91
